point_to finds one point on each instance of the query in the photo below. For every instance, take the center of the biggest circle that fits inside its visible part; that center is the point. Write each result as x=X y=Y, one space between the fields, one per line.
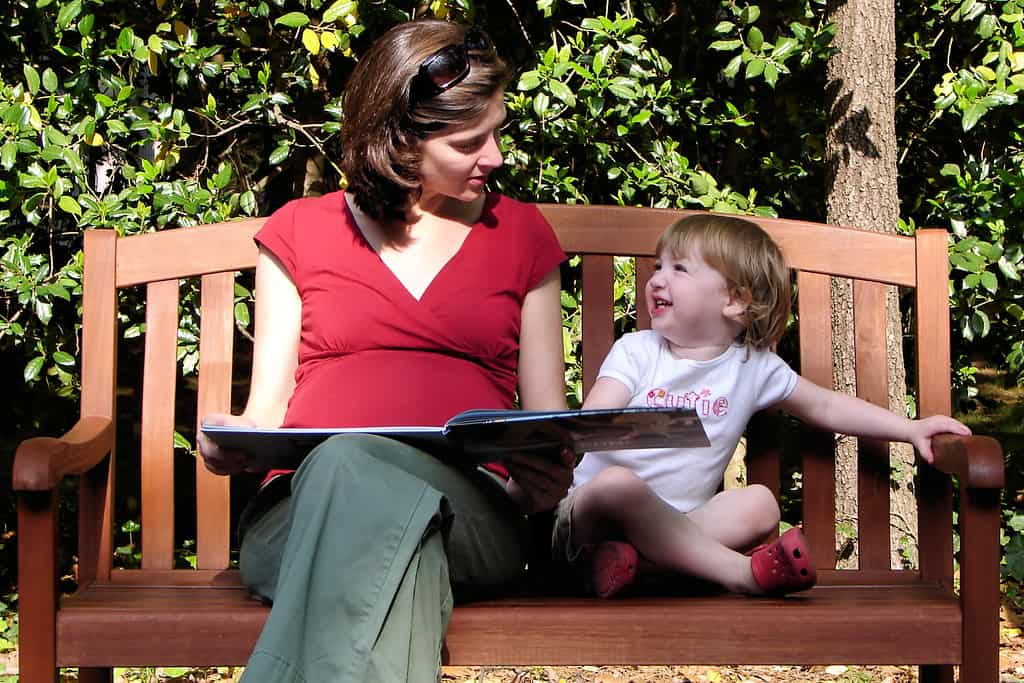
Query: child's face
x=690 y=303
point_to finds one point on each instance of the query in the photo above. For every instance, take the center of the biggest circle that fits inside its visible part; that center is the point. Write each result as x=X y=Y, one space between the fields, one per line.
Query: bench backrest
x=213 y=253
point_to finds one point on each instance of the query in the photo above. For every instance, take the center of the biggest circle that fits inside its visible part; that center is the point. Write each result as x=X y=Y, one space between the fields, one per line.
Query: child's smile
x=688 y=301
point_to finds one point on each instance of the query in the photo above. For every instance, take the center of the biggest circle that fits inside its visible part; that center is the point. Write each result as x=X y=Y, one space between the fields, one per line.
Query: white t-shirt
x=725 y=391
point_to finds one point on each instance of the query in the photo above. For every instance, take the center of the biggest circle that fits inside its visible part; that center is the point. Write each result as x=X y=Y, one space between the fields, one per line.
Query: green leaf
x=755 y=39
x=1008 y=269
x=601 y=59
x=50 y=80
x=67 y=203
x=8 y=154
x=989 y=281
x=980 y=323
x=280 y=154
x=755 y=67
x=750 y=14
x=987 y=26
x=311 y=41
x=722 y=45
x=63 y=358
x=973 y=114
x=32 y=368
x=529 y=80
x=338 y=9
x=771 y=74
x=562 y=92
x=31 y=78
x=733 y=67
x=784 y=48
x=44 y=311
x=541 y=103
x=292 y=20
x=69 y=13
x=242 y=314
x=724 y=27
x=248 y=202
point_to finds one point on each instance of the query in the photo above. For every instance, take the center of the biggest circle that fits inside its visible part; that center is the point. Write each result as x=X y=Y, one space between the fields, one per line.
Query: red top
x=372 y=354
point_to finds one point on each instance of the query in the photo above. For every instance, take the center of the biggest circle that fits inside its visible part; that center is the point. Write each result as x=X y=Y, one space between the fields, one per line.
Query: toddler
x=719 y=300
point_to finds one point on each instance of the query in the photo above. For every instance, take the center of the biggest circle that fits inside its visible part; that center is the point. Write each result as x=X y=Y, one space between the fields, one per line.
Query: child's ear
x=737 y=305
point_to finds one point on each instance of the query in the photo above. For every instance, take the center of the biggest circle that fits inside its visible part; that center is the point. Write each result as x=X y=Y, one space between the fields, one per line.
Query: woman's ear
x=738 y=304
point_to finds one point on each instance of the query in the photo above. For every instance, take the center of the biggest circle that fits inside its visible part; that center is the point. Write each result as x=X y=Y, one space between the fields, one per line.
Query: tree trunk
x=861 y=188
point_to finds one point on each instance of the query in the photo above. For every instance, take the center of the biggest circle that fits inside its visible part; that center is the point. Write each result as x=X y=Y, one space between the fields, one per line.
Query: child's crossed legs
x=706 y=542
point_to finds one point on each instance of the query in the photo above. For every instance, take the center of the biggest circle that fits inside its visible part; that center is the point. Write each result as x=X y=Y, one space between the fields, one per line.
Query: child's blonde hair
x=748 y=259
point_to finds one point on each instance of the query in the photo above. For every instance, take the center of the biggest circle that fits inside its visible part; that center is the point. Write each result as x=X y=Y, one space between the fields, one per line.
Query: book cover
x=477 y=436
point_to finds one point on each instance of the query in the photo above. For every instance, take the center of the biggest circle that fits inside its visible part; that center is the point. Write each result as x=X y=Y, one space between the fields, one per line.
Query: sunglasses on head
x=447 y=67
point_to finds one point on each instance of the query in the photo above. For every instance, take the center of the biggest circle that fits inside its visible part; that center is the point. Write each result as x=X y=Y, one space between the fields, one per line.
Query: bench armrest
x=976 y=460
x=41 y=462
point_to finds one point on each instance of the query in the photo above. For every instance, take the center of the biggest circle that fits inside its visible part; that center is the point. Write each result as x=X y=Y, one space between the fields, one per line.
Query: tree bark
x=861 y=181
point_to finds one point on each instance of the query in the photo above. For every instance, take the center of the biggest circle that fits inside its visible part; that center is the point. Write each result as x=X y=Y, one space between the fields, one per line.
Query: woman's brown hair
x=381 y=132
x=749 y=260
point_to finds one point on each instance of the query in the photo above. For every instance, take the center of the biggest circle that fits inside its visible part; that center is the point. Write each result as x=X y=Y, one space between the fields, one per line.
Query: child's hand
x=922 y=431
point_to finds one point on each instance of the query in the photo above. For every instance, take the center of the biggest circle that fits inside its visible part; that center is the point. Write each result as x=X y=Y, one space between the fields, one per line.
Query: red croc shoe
x=611 y=566
x=784 y=566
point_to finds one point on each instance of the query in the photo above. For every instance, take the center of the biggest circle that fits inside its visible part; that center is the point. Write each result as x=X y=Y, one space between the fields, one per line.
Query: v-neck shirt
x=370 y=353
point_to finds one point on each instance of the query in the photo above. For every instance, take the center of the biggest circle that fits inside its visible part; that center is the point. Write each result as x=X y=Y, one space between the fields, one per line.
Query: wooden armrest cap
x=976 y=460
x=41 y=462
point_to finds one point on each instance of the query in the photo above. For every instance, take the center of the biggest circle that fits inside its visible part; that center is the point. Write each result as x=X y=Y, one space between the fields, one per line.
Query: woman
x=410 y=297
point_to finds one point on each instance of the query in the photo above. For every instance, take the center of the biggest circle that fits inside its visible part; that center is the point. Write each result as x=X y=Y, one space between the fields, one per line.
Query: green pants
x=364 y=561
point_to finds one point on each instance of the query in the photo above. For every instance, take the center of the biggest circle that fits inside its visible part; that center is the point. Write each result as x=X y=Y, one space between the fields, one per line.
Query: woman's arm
x=541 y=356
x=534 y=483
x=276 y=344
x=275 y=357
x=850 y=415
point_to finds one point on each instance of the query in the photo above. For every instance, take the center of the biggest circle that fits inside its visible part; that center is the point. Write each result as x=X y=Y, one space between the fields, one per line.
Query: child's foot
x=783 y=566
x=611 y=566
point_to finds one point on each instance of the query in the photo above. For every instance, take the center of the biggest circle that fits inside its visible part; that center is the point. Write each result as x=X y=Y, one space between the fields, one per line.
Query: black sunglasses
x=446 y=67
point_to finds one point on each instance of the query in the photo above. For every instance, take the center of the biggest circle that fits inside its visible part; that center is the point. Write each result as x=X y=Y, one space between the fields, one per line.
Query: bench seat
x=871 y=624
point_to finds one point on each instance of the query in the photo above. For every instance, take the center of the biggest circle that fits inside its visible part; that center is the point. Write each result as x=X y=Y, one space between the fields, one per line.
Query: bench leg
x=95 y=675
x=936 y=674
x=37 y=589
x=979 y=583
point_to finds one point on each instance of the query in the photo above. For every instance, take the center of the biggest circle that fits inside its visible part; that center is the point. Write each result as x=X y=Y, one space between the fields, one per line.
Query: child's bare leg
x=739 y=518
x=617 y=502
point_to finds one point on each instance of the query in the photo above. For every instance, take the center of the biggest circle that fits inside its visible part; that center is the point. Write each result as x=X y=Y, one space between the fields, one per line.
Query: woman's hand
x=537 y=484
x=219 y=460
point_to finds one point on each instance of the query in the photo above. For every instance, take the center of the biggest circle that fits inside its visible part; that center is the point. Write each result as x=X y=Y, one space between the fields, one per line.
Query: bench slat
x=213 y=504
x=157 y=443
x=934 y=490
x=99 y=384
x=814 y=304
x=598 y=315
x=870 y=348
x=644 y=270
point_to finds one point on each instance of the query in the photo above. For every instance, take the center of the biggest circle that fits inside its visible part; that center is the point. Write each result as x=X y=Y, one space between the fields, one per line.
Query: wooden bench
x=160 y=616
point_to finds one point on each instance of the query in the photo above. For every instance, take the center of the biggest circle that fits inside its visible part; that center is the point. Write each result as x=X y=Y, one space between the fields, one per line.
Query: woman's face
x=457 y=161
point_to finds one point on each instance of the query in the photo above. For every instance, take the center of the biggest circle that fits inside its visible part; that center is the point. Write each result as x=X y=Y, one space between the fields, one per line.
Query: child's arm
x=607 y=393
x=850 y=415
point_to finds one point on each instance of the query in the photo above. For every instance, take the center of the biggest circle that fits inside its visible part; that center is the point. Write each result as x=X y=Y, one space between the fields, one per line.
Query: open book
x=476 y=436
